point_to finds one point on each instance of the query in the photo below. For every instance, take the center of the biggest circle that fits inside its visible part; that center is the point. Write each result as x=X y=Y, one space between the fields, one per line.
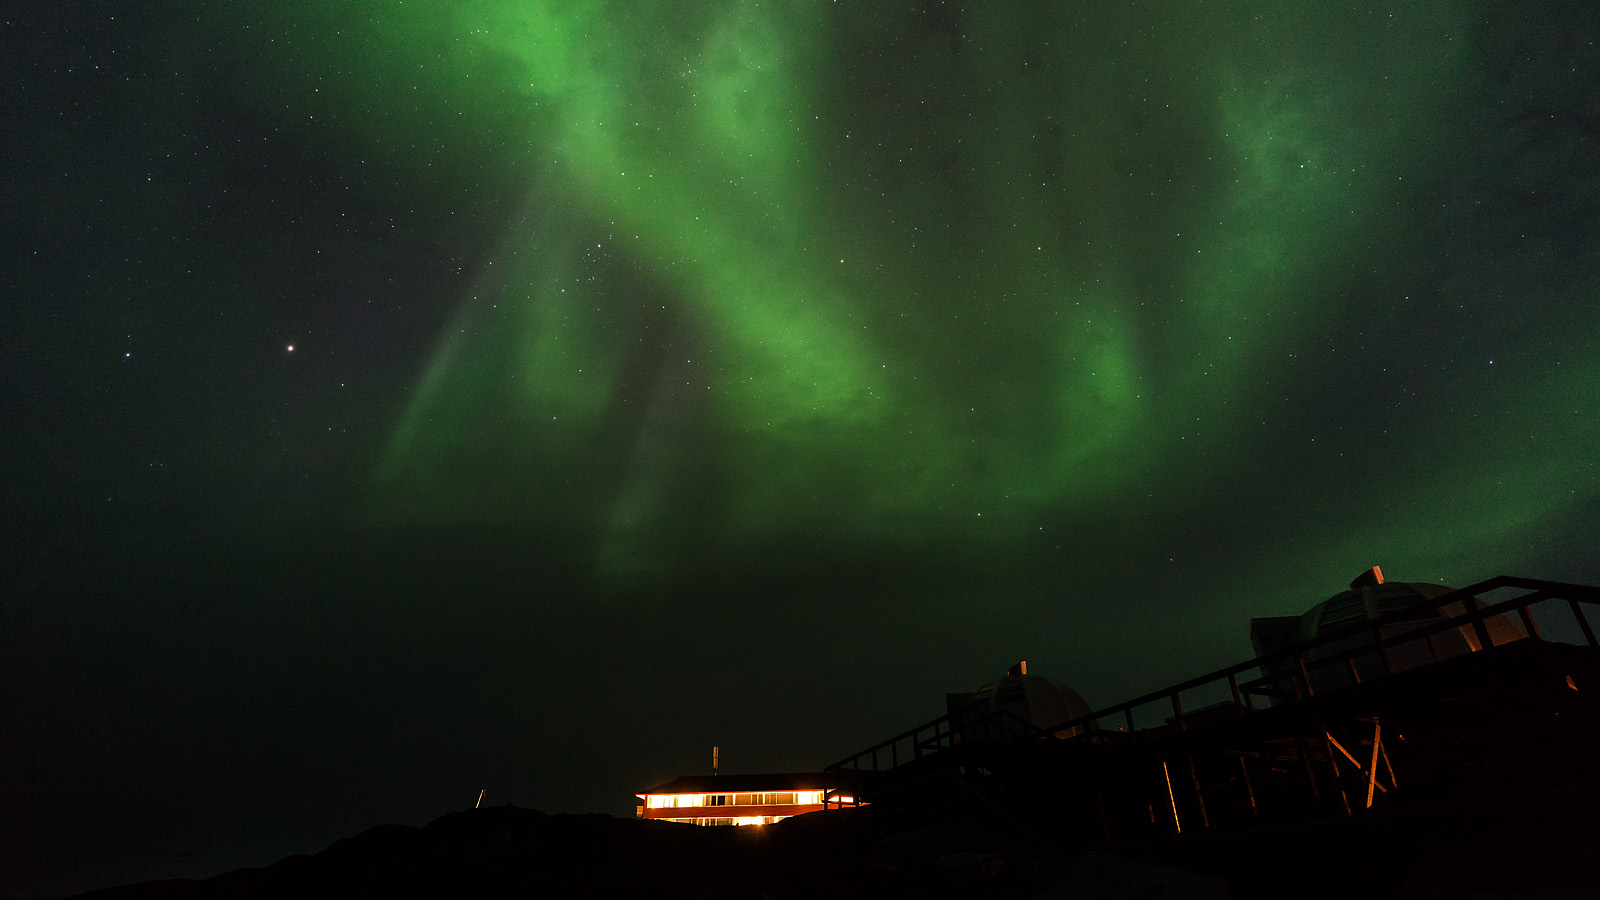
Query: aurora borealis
x=962 y=265
x=739 y=373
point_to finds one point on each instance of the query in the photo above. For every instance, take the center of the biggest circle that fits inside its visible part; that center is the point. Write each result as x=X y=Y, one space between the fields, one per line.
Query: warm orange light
x=721 y=809
x=770 y=798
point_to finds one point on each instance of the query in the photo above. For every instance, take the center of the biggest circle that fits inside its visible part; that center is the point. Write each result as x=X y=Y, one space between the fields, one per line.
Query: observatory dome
x=1371 y=597
x=1043 y=702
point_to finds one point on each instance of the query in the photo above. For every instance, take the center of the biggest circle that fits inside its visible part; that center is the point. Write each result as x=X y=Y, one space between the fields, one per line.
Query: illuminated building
x=1386 y=697
x=741 y=799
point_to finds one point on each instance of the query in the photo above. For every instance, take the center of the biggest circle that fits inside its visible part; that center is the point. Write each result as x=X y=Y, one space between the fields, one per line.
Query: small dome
x=1043 y=702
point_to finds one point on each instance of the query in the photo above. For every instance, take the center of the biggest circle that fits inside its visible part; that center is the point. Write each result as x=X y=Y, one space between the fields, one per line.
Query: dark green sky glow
x=927 y=275
x=736 y=373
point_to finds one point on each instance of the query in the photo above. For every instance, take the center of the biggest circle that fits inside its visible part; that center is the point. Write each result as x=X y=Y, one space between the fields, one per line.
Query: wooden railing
x=1297 y=666
x=937 y=735
x=1286 y=676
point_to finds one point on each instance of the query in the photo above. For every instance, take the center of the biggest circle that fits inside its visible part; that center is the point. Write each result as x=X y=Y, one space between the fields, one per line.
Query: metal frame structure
x=1273 y=747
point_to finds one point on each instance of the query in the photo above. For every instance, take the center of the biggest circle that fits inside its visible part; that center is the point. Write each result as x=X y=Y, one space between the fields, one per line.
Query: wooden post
x=1528 y=624
x=1478 y=626
x=1577 y=612
x=1200 y=798
x=1250 y=788
x=1377 y=747
x=1334 y=765
x=1384 y=751
x=1171 y=797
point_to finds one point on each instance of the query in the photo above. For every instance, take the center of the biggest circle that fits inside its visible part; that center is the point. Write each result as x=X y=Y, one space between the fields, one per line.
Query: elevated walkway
x=1377 y=715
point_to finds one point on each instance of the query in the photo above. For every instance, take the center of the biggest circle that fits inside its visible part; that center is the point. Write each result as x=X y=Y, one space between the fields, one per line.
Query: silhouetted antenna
x=480 y=798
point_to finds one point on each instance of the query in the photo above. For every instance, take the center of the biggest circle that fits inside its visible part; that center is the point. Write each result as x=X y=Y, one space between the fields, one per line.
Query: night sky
x=407 y=399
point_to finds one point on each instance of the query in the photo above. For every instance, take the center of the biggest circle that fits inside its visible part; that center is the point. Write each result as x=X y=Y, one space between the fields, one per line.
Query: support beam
x=1171 y=797
x=1377 y=748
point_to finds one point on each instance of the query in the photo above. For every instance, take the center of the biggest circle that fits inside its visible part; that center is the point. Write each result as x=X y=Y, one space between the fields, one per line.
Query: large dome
x=1369 y=597
x=1365 y=602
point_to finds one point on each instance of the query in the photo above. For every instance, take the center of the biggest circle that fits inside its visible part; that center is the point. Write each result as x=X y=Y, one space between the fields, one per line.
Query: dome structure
x=1040 y=701
x=1370 y=597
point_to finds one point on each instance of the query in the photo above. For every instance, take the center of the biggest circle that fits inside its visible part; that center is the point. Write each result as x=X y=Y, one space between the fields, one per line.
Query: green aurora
x=736 y=373
x=901 y=272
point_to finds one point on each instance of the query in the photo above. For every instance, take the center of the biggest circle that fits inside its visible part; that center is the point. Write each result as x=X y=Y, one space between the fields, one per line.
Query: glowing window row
x=768 y=798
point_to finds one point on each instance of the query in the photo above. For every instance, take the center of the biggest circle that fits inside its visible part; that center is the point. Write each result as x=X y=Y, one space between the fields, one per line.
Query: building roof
x=728 y=784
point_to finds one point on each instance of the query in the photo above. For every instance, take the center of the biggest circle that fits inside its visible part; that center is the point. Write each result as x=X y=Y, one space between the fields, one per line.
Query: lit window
x=669 y=801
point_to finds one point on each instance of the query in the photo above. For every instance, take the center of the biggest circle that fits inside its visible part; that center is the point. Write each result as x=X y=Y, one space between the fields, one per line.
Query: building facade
x=741 y=799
